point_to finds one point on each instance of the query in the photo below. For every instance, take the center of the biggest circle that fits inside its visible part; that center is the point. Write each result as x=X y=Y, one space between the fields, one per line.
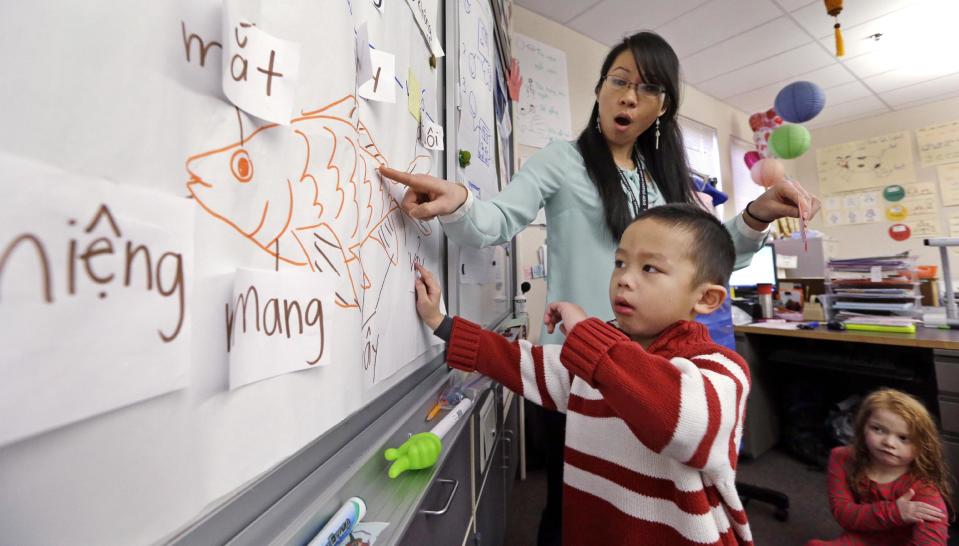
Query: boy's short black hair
x=712 y=251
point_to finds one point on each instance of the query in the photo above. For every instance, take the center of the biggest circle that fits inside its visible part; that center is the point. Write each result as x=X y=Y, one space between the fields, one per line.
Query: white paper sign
x=364 y=70
x=543 y=111
x=277 y=323
x=93 y=298
x=380 y=87
x=426 y=27
x=431 y=135
x=259 y=71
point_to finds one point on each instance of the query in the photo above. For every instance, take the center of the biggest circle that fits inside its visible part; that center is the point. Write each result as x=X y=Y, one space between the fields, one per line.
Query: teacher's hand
x=428 y=196
x=783 y=199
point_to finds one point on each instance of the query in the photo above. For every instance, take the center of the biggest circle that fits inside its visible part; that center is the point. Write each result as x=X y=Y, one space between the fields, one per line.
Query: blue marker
x=338 y=528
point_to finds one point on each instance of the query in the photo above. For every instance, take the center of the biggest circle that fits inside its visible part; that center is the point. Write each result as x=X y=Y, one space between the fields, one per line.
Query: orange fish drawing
x=309 y=195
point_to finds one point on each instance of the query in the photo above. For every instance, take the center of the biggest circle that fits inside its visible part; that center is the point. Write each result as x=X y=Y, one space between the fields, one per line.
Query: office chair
x=780 y=501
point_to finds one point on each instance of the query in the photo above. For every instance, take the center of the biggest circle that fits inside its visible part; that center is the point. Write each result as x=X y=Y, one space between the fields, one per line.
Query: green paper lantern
x=790 y=141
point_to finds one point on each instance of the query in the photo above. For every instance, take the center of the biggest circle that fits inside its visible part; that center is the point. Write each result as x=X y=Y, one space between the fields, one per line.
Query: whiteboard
x=121 y=103
x=484 y=276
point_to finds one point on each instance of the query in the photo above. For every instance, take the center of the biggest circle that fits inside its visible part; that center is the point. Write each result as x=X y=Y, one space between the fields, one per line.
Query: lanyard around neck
x=643 y=202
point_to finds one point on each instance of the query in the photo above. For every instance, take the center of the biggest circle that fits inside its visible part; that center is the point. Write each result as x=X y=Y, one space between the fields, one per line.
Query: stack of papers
x=875 y=290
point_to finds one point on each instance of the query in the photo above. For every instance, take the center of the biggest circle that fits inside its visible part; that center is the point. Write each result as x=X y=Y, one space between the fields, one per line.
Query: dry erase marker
x=338 y=528
x=452 y=417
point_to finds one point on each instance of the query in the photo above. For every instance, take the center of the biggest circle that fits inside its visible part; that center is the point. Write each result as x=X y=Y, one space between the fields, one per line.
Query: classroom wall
x=872 y=239
x=584 y=58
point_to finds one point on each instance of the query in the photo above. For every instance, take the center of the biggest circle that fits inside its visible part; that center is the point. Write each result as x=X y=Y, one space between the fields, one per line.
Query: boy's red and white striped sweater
x=651 y=434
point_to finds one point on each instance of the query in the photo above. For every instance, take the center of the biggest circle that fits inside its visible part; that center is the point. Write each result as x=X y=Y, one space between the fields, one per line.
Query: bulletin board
x=201 y=271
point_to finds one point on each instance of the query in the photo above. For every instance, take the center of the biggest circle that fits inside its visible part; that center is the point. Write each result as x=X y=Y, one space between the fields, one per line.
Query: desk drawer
x=947 y=373
x=949 y=414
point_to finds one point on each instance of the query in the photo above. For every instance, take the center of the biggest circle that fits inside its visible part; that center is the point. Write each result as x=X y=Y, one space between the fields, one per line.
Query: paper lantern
x=800 y=101
x=768 y=171
x=763 y=124
x=833 y=8
x=790 y=141
x=751 y=157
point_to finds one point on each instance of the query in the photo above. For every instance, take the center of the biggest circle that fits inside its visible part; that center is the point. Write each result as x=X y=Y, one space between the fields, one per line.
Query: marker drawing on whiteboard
x=341 y=523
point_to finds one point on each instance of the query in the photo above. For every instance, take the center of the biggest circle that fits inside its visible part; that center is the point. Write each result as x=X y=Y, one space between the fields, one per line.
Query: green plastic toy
x=465 y=157
x=420 y=451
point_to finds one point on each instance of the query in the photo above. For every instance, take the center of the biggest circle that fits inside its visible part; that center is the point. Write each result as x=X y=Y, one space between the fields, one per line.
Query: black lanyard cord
x=643 y=202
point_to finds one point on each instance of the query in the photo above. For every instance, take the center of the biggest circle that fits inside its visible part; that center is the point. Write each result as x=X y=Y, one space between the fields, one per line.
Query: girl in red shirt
x=891 y=486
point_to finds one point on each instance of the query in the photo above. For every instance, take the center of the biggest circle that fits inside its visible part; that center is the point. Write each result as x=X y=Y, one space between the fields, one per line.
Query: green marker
x=910 y=329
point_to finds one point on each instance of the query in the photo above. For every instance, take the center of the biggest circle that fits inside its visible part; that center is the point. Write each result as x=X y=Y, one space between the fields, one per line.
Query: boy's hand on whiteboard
x=428 y=294
x=564 y=314
x=783 y=199
x=428 y=196
x=515 y=81
x=420 y=451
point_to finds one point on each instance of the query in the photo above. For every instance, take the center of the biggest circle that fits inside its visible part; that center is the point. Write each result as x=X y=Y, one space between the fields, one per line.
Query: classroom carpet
x=809 y=515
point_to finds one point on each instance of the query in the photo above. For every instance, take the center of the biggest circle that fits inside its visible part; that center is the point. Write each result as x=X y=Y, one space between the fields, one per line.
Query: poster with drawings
x=852 y=208
x=920 y=199
x=542 y=112
x=868 y=163
x=475 y=89
x=938 y=144
x=949 y=184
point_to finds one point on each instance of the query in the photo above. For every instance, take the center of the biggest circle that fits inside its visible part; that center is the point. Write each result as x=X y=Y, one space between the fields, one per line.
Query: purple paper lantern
x=800 y=101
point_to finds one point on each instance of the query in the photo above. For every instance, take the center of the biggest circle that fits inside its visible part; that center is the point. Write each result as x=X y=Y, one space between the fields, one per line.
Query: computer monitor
x=761 y=270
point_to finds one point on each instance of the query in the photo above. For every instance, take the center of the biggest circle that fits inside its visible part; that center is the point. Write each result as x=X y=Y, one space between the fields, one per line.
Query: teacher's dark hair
x=657 y=63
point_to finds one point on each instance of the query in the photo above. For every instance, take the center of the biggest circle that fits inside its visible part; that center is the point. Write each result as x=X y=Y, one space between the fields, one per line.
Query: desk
x=925 y=364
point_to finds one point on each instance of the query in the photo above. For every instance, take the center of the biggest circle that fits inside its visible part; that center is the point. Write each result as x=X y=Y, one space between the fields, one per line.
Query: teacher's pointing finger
x=427 y=196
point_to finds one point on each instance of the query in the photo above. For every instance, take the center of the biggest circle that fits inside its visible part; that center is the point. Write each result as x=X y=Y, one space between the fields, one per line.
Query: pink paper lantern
x=767 y=172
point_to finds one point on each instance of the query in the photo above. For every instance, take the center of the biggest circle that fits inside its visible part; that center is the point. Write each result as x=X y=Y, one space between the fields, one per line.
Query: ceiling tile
x=793 y=5
x=715 y=21
x=831 y=115
x=763 y=97
x=870 y=64
x=610 y=20
x=911 y=75
x=846 y=92
x=819 y=23
x=744 y=49
x=939 y=87
x=557 y=11
x=859 y=41
x=781 y=67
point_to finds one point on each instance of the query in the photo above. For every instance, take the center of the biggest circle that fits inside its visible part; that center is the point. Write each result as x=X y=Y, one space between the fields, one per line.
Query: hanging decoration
x=834 y=8
x=800 y=101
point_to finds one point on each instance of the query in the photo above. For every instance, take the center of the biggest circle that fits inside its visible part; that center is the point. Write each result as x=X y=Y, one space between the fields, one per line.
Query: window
x=702 y=151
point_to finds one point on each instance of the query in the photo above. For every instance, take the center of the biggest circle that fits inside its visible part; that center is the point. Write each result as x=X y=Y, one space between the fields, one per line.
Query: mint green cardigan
x=580 y=248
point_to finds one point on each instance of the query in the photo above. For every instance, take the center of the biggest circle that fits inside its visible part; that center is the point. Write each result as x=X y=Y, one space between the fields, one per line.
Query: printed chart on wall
x=938 y=144
x=543 y=109
x=864 y=164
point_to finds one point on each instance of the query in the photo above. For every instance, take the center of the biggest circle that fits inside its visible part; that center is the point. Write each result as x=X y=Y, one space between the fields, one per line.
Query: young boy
x=654 y=408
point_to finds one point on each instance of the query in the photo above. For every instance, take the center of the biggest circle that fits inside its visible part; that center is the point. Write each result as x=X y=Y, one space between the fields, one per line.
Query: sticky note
x=414 y=94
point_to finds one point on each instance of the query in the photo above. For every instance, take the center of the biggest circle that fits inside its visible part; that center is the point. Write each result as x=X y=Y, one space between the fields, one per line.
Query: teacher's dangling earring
x=599 y=129
x=657 y=133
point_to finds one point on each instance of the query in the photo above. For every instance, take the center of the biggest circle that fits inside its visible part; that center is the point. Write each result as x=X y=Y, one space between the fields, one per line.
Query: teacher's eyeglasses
x=643 y=90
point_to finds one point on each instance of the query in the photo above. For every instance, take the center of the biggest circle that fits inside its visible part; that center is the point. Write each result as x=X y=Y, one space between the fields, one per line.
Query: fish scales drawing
x=309 y=195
